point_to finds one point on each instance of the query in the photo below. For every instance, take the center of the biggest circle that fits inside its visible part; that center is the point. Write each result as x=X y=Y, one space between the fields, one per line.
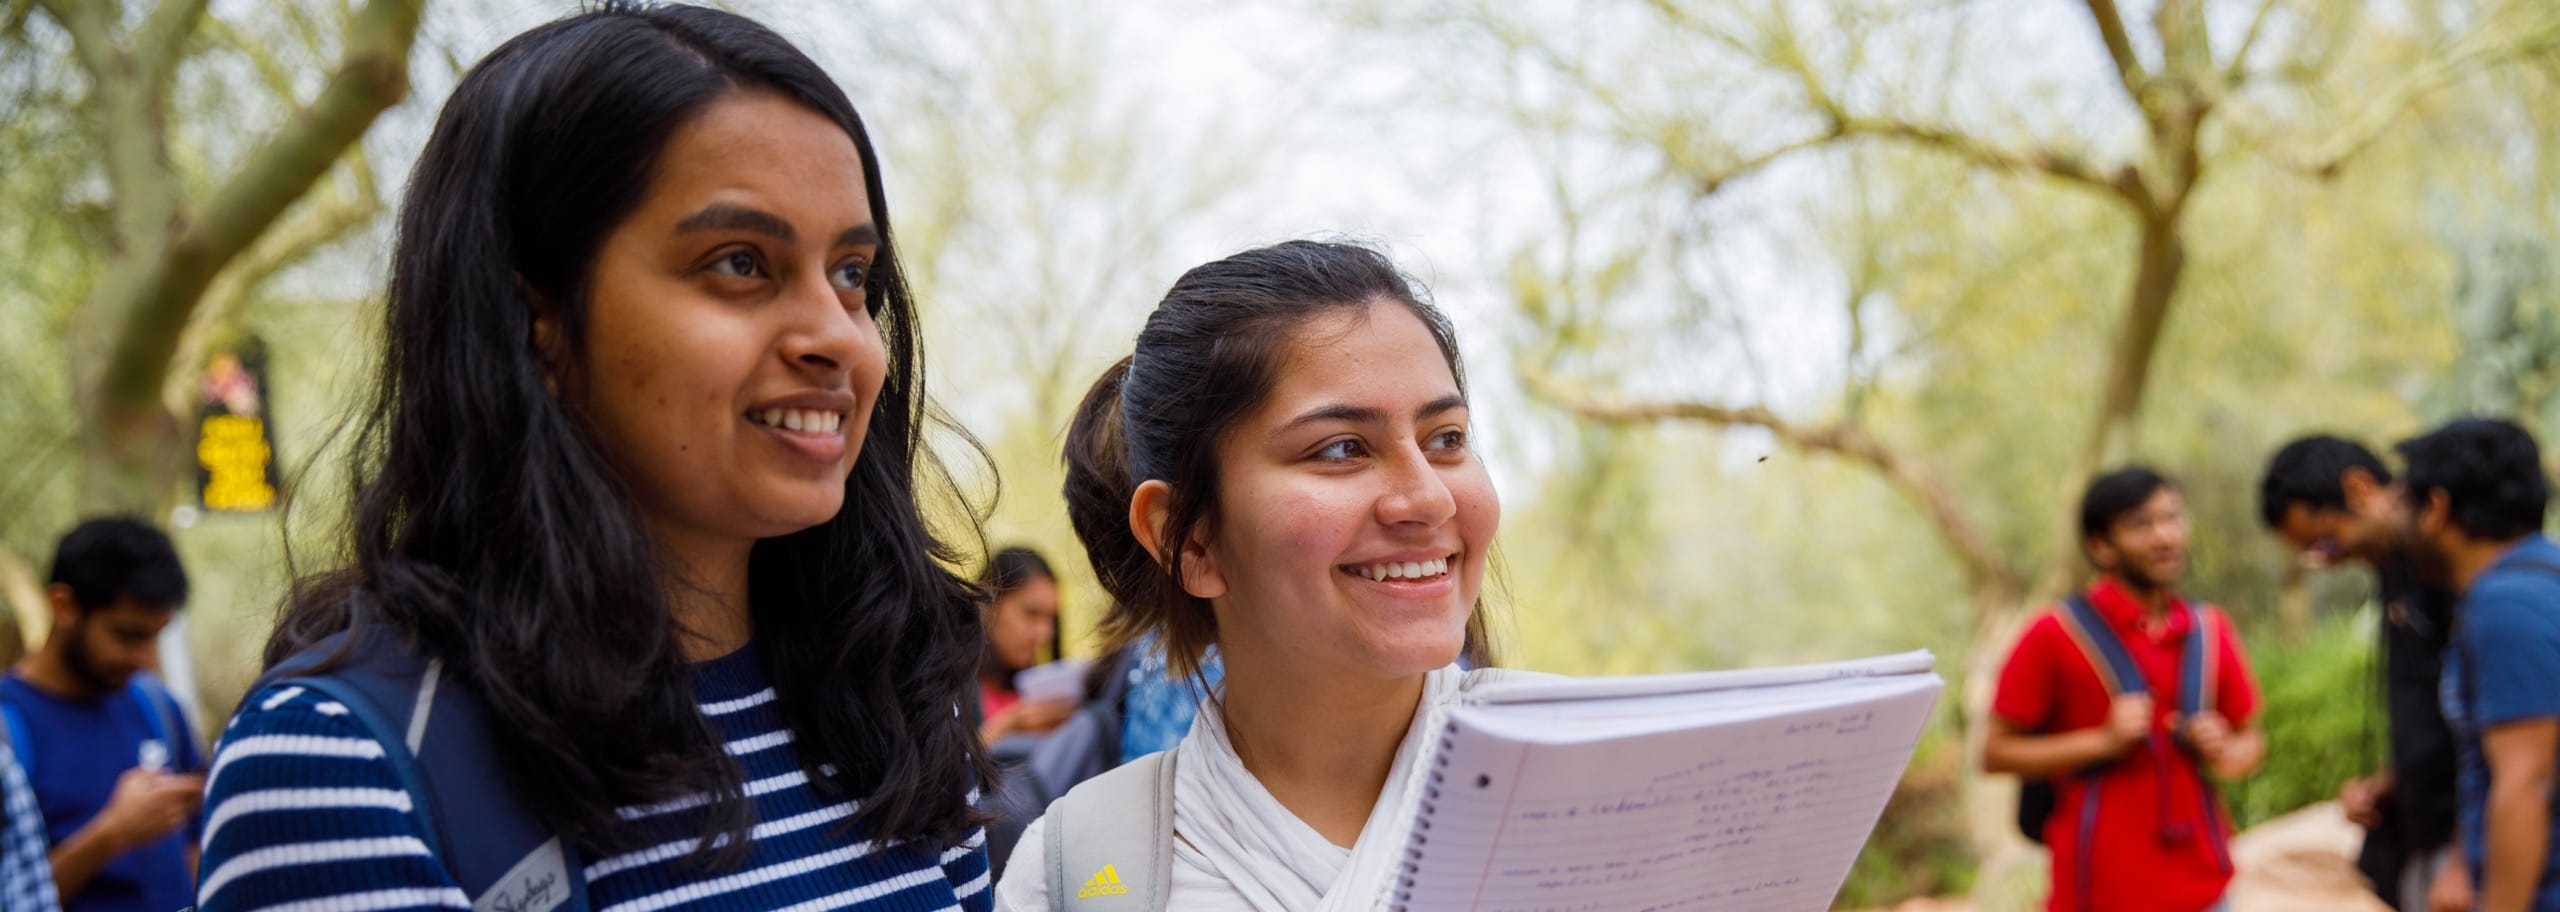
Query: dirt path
x=2301 y=862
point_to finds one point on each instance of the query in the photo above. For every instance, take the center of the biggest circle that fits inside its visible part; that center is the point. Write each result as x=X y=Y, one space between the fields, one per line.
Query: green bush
x=2320 y=710
x=1919 y=847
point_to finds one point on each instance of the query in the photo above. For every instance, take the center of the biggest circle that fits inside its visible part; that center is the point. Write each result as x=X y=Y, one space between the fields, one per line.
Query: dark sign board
x=235 y=452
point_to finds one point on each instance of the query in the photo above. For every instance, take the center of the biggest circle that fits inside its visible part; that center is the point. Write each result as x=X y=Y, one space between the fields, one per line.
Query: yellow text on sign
x=234 y=452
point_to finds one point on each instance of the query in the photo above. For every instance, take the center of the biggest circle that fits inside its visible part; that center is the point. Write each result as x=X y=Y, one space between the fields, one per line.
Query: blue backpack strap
x=2115 y=668
x=158 y=711
x=437 y=734
x=2199 y=668
x=2199 y=687
x=2098 y=642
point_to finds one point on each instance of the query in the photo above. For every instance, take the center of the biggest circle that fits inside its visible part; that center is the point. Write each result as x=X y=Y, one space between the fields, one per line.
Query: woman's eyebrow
x=862 y=235
x=1360 y=414
x=727 y=217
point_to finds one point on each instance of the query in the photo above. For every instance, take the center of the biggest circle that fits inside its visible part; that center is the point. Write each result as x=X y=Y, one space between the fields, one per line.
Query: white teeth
x=803 y=420
x=1403 y=570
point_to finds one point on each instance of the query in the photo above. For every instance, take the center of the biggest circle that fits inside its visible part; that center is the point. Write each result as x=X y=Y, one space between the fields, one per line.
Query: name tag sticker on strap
x=539 y=883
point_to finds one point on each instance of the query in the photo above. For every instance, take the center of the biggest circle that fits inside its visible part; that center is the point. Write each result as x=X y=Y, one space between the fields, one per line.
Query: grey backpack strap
x=1110 y=840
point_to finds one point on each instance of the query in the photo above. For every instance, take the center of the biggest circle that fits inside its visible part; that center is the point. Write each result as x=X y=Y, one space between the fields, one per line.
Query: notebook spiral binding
x=1413 y=850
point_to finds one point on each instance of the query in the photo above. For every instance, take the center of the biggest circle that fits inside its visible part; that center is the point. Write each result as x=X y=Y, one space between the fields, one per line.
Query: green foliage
x=2320 y=712
x=1920 y=847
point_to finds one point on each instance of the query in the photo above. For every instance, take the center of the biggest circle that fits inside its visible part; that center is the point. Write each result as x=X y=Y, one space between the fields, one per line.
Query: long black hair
x=488 y=528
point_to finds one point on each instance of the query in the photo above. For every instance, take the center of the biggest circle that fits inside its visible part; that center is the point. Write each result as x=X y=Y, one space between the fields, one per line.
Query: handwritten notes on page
x=1732 y=792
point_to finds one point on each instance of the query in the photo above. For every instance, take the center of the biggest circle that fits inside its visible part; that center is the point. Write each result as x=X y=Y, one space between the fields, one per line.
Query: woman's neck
x=1322 y=744
x=706 y=587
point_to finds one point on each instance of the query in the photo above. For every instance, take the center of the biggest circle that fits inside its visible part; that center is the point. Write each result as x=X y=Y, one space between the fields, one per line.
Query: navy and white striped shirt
x=303 y=811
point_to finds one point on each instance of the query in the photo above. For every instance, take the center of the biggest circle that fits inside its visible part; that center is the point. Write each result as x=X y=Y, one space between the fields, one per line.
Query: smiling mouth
x=1402 y=570
x=806 y=421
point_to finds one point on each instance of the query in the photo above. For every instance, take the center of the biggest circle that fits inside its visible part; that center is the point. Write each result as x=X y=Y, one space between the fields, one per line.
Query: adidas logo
x=1104 y=883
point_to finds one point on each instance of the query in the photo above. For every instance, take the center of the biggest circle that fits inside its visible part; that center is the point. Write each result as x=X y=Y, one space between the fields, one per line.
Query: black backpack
x=438 y=739
x=2037 y=798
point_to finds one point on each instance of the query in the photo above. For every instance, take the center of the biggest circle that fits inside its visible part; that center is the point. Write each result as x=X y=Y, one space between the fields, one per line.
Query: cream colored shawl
x=1229 y=824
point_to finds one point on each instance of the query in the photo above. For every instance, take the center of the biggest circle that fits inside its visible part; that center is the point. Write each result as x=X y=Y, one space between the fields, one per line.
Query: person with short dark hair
x=2136 y=825
x=2330 y=500
x=111 y=760
x=2475 y=497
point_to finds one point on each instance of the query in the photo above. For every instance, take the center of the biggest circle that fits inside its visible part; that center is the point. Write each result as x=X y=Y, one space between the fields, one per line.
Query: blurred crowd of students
x=2124 y=706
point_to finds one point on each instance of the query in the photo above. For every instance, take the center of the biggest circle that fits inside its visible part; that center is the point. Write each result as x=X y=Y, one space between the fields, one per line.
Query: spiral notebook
x=1739 y=791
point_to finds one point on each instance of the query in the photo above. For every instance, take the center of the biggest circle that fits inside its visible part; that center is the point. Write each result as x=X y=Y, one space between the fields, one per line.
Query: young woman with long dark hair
x=1021 y=620
x=640 y=477
x=1282 y=470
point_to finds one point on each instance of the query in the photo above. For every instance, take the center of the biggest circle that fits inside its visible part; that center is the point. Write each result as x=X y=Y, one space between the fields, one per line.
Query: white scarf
x=1231 y=825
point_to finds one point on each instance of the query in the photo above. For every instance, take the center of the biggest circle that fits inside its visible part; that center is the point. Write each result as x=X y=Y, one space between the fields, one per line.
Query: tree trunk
x=168 y=253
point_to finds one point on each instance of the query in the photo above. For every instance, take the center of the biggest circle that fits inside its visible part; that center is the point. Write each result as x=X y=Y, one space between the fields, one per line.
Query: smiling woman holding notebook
x=1281 y=470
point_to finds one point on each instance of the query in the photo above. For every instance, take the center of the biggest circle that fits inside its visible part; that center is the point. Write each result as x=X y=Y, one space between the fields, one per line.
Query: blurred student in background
x=109 y=757
x=2134 y=826
x=2475 y=496
x=1022 y=625
x=2331 y=500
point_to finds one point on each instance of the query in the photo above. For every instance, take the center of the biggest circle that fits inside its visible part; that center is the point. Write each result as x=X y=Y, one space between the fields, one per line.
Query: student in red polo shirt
x=2160 y=836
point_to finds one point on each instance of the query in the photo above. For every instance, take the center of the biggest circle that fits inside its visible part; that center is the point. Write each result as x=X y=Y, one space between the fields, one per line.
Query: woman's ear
x=1150 y=511
x=545 y=337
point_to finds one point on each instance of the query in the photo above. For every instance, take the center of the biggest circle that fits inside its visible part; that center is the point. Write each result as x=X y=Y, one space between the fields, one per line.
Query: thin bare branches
x=1983 y=565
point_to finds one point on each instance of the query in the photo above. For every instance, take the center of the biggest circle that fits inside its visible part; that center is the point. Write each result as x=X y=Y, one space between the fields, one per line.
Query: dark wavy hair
x=2311 y=471
x=489 y=529
x=1209 y=355
x=2490 y=472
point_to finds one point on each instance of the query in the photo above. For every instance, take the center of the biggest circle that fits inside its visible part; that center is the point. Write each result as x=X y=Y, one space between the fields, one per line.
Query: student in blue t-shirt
x=115 y=770
x=2476 y=497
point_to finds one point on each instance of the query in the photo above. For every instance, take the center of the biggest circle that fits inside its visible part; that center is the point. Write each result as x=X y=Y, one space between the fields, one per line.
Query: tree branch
x=293 y=239
x=2129 y=68
x=2123 y=188
x=2037 y=161
x=13 y=17
x=372 y=75
x=2481 y=49
x=89 y=25
x=161 y=44
x=1985 y=568
x=2234 y=72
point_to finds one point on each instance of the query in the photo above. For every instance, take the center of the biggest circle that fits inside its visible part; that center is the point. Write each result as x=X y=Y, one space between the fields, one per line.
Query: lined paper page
x=1749 y=802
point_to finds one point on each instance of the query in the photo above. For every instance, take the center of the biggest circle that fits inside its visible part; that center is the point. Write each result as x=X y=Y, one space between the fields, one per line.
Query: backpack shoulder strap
x=159 y=709
x=436 y=733
x=1110 y=840
x=2200 y=668
x=2106 y=654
